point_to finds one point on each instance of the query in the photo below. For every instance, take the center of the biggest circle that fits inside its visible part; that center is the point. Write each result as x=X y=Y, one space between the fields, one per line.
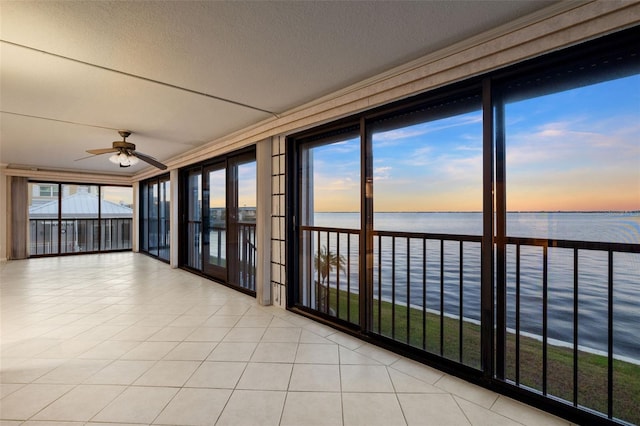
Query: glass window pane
x=217 y=195
x=573 y=163
x=194 y=220
x=331 y=183
x=43 y=218
x=427 y=179
x=330 y=198
x=427 y=170
x=572 y=173
x=116 y=213
x=80 y=223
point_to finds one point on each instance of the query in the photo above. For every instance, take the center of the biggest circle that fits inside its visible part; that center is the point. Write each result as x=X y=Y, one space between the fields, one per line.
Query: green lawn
x=592 y=368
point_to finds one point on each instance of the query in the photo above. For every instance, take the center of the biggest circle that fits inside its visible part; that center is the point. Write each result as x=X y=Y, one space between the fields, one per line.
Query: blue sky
x=574 y=150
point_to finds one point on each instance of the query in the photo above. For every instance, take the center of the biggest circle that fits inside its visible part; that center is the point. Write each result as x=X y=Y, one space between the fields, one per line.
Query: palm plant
x=326 y=262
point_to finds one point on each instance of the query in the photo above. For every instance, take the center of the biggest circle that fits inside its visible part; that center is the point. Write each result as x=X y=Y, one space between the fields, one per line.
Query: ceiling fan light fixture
x=115 y=158
x=123 y=159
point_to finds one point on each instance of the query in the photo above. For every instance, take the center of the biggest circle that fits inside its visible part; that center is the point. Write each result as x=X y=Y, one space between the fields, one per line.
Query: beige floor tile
x=219 y=374
x=136 y=332
x=381 y=355
x=110 y=349
x=312 y=409
x=27 y=401
x=371 y=409
x=282 y=335
x=207 y=334
x=233 y=309
x=168 y=373
x=9 y=388
x=468 y=391
x=254 y=321
x=158 y=320
x=171 y=334
x=314 y=377
x=253 y=408
x=417 y=370
x=275 y=352
x=207 y=310
x=80 y=404
x=232 y=352
x=525 y=414
x=191 y=351
x=307 y=336
x=29 y=348
x=120 y=372
x=189 y=321
x=403 y=383
x=281 y=323
x=319 y=329
x=28 y=370
x=265 y=376
x=349 y=357
x=150 y=351
x=136 y=405
x=194 y=407
x=440 y=409
x=348 y=342
x=365 y=378
x=480 y=416
x=310 y=353
x=74 y=371
x=247 y=334
x=101 y=332
x=218 y=320
x=69 y=349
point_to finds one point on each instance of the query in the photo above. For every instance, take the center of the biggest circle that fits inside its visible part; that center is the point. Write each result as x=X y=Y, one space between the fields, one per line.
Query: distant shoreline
x=511 y=211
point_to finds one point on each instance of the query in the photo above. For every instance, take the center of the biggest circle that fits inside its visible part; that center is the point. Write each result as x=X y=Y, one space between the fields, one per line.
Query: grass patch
x=592 y=368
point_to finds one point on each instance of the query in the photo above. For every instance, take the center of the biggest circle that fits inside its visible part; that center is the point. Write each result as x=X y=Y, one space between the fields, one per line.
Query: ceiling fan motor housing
x=124 y=145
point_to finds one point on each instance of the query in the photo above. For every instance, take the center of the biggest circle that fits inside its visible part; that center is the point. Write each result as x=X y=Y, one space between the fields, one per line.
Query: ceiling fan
x=126 y=154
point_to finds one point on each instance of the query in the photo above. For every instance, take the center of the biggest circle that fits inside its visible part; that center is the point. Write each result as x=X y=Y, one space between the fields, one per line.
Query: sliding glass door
x=214 y=238
x=220 y=208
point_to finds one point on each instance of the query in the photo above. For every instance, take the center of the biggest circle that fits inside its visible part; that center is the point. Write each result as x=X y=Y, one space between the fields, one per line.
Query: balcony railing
x=247 y=255
x=51 y=236
x=566 y=311
x=571 y=310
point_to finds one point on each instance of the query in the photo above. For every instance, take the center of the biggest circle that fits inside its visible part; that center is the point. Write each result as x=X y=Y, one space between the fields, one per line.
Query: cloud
x=402 y=135
x=382 y=173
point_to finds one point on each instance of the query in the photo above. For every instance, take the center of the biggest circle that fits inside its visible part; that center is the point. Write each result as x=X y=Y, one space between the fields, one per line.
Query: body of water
x=619 y=227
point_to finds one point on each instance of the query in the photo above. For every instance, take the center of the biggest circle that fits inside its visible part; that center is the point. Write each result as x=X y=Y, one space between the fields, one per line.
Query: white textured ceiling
x=181 y=74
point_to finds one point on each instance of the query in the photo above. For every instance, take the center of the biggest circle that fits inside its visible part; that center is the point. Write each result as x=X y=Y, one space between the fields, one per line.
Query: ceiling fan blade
x=101 y=151
x=84 y=158
x=150 y=160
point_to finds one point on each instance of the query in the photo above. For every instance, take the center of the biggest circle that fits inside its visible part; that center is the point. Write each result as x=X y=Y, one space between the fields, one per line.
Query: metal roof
x=80 y=205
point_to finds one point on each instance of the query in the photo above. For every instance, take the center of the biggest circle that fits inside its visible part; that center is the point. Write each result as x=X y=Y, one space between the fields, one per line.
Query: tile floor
x=124 y=339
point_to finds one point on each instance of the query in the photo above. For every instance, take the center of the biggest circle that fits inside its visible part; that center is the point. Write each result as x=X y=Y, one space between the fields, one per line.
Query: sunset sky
x=570 y=151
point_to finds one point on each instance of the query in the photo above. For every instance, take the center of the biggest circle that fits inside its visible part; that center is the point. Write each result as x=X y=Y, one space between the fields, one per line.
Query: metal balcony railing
x=565 y=313
x=52 y=236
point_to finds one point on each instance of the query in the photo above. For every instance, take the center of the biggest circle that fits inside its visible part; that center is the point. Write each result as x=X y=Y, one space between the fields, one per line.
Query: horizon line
x=480 y=211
